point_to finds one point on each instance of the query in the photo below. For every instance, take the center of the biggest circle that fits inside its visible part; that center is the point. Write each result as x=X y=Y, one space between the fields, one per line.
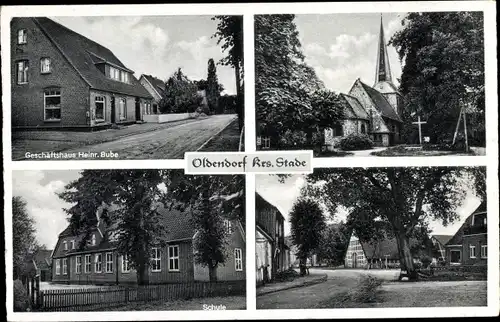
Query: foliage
x=333 y=244
x=405 y=198
x=366 y=289
x=212 y=89
x=227 y=104
x=181 y=95
x=24 y=242
x=22 y=302
x=443 y=69
x=356 y=142
x=287 y=275
x=426 y=260
x=289 y=95
x=230 y=34
x=307 y=224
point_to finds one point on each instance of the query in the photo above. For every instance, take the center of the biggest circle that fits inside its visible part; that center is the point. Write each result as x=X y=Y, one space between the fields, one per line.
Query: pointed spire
x=383 y=71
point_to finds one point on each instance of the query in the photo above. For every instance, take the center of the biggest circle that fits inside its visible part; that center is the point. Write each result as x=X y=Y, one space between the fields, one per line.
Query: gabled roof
x=457 y=238
x=354 y=108
x=83 y=54
x=157 y=84
x=442 y=239
x=381 y=103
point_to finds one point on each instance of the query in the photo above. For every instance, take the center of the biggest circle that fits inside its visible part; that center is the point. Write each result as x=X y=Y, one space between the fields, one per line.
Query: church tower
x=383 y=76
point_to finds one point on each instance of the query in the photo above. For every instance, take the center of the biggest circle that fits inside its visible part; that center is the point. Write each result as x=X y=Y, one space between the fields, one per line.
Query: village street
x=393 y=294
x=164 y=141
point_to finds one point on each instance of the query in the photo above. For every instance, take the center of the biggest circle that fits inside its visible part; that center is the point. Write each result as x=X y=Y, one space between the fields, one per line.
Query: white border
x=248 y=10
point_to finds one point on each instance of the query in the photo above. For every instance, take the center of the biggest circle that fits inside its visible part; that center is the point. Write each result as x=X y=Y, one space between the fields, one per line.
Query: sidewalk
x=313 y=278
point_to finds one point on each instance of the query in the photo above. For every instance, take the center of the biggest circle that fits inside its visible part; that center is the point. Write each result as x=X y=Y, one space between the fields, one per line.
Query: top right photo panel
x=371 y=84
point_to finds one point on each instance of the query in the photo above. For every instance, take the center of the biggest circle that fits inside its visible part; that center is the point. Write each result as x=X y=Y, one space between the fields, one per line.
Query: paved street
x=163 y=143
x=393 y=294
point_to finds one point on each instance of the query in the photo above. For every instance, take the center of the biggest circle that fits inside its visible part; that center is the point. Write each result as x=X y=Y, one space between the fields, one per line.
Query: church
x=371 y=110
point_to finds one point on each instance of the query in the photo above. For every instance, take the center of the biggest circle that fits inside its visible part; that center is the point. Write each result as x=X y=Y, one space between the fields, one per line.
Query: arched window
x=363 y=129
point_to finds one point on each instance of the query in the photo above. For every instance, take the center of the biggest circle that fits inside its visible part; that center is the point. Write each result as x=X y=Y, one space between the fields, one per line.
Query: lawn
x=229 y=302
x=402 y=150
x=227 y=140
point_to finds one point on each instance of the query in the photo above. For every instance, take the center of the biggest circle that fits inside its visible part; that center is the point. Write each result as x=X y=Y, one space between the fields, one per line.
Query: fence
x=105 y=297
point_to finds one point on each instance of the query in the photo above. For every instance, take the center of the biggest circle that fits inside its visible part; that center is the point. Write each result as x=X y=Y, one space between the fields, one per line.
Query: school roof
x=83 y=54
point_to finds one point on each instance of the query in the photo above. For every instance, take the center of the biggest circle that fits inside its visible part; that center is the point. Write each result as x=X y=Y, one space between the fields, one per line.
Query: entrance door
x=354 y=260
x=113 y=110
x=137 y=109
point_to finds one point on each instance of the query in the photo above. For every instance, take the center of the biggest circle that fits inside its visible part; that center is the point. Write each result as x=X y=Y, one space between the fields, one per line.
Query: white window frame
x=22 y=36
x=110 y=270
x=125 y=264
x=472 y=251
x=484 y=251
x=45 y=65
x=58 y=267
x=93 y=241
x=172 y=259
x=122 y=102
x=114 y=73
x=155 y=259
x=22 y=67
x=78 y=265
x=238 y=260
x=228 y=226
x=100 y=100
x=57 y=93
x=72 y=244
x=65 y=245
x=98 y=263
x=65 y=266
x=88 y=263
x=124 y=78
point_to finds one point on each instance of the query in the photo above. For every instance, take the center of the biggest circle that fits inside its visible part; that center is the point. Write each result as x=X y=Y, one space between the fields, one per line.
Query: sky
x=284 y=195
x=343 y=47
x=158 y=45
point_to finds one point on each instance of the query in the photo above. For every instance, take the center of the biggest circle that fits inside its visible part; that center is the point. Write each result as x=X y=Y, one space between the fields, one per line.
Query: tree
x=307 y=224
x=333 y=244
x=404 y=198
x=230 y=34
x=211 y=200
x=180 y=95
x=131 y=200
x=213 y=87
x=289 y=95
x=24 y=242
x=443 y=70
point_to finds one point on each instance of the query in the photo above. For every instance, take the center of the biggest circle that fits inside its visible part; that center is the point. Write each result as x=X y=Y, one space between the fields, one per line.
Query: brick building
x=155 y=87
x=98 y=262
x=63 y=80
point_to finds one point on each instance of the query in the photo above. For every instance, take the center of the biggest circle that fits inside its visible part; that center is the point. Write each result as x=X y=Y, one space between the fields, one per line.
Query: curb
x=308 y=283
x=210 y=139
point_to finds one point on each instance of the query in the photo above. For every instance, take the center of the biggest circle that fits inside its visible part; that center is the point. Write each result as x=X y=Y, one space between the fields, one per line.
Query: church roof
x=381 y=103
x=354 y=108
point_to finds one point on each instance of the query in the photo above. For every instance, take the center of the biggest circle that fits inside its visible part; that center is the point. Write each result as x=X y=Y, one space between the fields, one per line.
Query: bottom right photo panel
x=372 y=237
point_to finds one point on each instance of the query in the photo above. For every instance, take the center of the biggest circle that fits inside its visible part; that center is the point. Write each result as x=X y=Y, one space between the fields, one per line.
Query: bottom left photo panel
x=127 y=240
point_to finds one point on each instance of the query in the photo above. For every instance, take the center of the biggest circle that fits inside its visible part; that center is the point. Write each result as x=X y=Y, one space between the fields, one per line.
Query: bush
x=356 y=142
x=365 y=290
x=287 y=275
x=21 y=298
x=426 y=261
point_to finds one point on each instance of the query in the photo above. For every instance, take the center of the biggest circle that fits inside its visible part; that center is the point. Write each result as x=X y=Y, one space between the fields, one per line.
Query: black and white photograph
x=371 y=84
x=371 y=238
x=127 y=240
x=125 y=87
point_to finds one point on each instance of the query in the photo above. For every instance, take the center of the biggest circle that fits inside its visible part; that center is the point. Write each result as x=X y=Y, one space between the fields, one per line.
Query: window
x=238 y=260
x=173 y=258
x=455 y=257
x=22 y=36
x=156 y=260
x=100 y=102
x=124 y=76
x=78 y=265
x=88 y=264
x=338 y=130
x=98 y=263
x=93 y=240
x=484 y=251
x=58 y=267
x=227 y=226
x=73 y=244
x=52 y=100
x=122 y=108
x=45 y=65
x=65 y=245
x=22 y=71
x=472 y=251
x=114 y=73
x=363 y=129
x=109 y=262
x=125 y=264
x=65 y=266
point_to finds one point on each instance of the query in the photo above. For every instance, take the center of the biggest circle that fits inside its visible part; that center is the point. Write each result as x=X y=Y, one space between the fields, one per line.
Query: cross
x=419 y=123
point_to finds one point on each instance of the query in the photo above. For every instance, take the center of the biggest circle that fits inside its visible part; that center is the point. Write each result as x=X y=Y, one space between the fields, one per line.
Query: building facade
x=98 y=261
x=156 y=88
x=469 y=245
x=63 y=80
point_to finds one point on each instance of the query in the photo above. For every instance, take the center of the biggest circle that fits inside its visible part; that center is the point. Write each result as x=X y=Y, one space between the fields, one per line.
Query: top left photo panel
x=125 y=87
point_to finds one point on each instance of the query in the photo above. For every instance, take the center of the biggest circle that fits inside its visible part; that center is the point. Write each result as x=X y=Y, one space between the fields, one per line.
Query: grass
x=227 y=140
x=337 y=153
x=405 y=150
x=230 y=303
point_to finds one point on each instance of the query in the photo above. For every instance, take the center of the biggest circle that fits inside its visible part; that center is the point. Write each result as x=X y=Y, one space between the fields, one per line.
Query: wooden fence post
x=38 y=300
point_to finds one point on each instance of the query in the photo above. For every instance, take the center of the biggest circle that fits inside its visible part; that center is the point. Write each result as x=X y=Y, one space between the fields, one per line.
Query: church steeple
x=383 y=71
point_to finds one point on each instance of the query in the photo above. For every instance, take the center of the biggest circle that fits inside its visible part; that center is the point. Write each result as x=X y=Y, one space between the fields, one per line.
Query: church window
x=363 y=129
x=337 y=130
